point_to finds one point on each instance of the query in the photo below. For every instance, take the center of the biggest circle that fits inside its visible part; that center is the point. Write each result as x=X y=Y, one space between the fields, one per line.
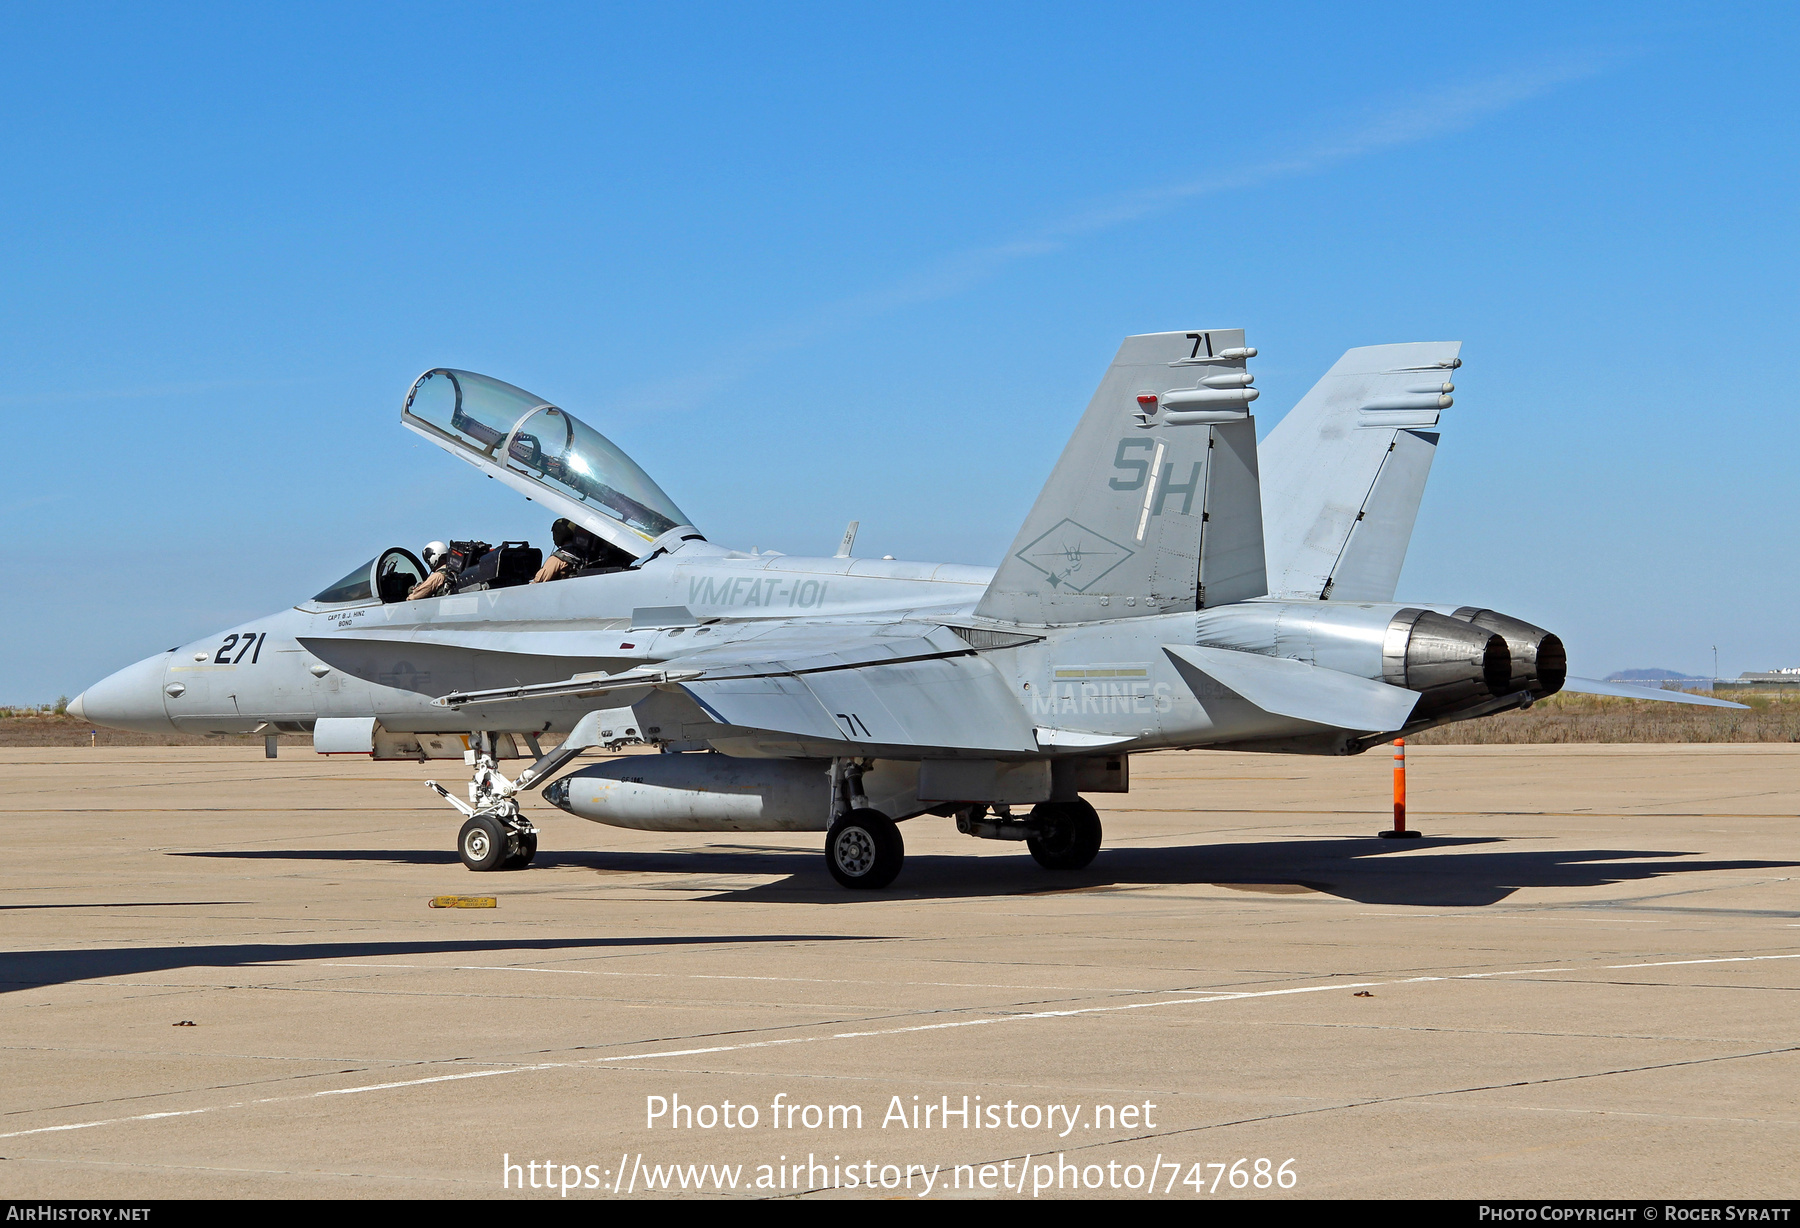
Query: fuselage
x=1079 y=689
x=296 y=665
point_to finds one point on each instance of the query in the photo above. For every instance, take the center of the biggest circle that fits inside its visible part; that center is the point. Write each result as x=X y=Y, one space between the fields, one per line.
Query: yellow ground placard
x=463 y=901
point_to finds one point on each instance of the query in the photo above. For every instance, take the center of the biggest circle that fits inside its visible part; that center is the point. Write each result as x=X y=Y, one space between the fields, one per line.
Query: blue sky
x=816 y=263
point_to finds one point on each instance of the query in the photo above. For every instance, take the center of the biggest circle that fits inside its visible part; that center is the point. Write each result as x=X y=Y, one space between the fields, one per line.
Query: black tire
x=864 y=850
x=483 y=843
x=1071 y=836
x=527 y=849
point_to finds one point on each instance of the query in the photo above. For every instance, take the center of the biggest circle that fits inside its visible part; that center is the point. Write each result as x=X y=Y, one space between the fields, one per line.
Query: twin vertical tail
x=1345 y=470
x=1155 y=506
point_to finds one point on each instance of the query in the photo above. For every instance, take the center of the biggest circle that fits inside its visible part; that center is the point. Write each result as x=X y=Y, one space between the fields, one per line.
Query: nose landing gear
x=496 y=836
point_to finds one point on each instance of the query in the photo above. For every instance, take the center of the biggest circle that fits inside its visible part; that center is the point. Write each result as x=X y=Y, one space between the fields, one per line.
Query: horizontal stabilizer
x=1304 y=692
x=1629 y=690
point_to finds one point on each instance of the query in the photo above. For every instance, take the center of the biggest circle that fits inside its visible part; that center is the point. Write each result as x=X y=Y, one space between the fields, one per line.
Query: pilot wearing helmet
x=578 y=550
x=437 y=557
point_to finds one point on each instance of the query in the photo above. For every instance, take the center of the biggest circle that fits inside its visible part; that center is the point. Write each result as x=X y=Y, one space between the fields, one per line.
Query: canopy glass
x=538 y=447
x=391 y=575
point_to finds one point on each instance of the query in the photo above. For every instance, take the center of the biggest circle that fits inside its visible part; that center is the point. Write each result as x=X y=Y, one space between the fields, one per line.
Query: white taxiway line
x=239 y=1104
x=1221 y=996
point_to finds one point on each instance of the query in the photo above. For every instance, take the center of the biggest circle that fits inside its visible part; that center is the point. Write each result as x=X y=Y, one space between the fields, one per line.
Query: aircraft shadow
x=1453 y=872
x=1443 y=872
x=36 y=969
x=408 y=857
x=725 y=859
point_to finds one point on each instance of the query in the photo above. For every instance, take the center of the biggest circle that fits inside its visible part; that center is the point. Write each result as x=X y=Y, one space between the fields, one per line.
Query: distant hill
x=1652 y=675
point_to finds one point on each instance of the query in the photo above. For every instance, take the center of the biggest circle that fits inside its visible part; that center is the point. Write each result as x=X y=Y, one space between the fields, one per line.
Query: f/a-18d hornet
x=1139 y=608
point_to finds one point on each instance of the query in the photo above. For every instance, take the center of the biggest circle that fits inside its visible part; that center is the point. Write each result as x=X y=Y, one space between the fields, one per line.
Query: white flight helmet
x=434 y=553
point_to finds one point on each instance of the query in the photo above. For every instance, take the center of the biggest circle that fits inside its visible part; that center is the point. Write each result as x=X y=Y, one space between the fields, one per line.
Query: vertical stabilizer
x=1345 y=469
x=1155 y=505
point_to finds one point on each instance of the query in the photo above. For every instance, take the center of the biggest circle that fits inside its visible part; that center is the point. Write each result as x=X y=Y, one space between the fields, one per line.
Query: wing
x=953 y=702
x=893 y=687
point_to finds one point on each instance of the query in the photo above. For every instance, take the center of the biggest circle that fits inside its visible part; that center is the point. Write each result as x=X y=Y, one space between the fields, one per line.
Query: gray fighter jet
x=1137 y=610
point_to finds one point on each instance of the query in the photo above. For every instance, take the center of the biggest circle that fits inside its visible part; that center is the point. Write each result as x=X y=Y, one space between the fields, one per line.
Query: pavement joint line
x=1671 y=963
x=1562 y=1108
x=719 y=976
x=1230 y=996
x=1460 y=976
x=601 y=1061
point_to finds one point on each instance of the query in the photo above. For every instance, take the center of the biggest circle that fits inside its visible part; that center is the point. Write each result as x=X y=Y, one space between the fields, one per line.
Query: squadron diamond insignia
x=1073 y=557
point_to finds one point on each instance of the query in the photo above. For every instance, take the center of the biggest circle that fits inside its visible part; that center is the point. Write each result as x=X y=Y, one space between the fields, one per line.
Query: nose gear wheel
x=495 y=836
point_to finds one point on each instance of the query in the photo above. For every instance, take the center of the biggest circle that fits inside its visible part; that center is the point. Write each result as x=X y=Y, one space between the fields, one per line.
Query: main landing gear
x=1066 y=835
x=1060 y=835
x=863 y=849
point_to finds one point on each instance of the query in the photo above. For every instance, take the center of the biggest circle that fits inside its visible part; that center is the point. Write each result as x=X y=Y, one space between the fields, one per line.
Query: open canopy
x=545 y=452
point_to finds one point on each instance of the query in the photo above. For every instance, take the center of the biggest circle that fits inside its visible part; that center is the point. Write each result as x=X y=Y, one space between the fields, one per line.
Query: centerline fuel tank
x=702 y=791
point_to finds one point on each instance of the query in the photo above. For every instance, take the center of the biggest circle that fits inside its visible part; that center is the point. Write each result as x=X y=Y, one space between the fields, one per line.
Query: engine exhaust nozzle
x=1539 y=664
x=1450 y=662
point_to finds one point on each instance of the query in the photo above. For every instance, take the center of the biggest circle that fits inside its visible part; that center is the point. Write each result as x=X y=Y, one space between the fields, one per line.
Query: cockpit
x=605 y=500
x=396 y=573
x=390 y=576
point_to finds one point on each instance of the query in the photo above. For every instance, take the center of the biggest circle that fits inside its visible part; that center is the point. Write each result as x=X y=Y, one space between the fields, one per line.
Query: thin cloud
x=132 y=394
x=1422 y=119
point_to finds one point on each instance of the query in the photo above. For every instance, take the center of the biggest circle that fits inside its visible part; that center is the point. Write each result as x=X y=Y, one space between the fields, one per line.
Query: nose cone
x=129 y=699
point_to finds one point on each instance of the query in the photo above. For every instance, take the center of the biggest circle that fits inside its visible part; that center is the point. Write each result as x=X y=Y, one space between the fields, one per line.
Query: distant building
x=1765 y=680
